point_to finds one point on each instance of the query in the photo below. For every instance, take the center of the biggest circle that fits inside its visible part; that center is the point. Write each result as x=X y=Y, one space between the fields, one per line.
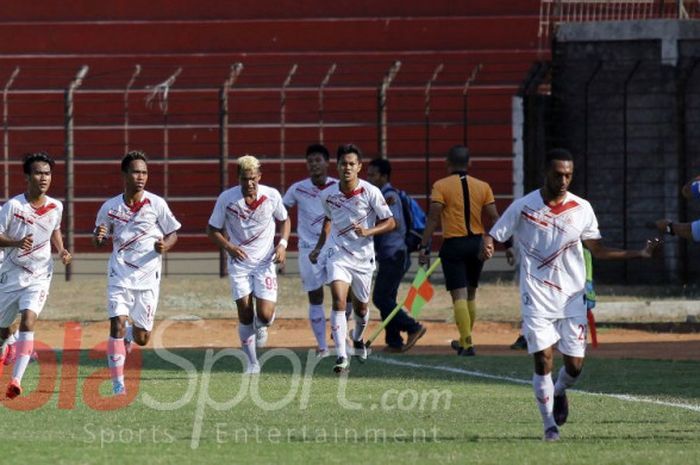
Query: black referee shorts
x=460 y=261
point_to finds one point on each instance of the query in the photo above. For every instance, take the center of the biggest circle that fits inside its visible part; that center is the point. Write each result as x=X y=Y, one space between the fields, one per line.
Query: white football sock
x=25 y=347
x=339 y=329
x=564 y=382
x=360 y=325
x=544 y=395
x=317 y=318
x=247 y=335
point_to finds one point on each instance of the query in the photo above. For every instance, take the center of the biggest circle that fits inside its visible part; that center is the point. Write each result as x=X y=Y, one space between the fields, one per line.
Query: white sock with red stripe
x=116 y=355
x=339 y=329
x=360 y=325
x=25 y=347
x=544 y=395
x=317 y=318
x=247 y=335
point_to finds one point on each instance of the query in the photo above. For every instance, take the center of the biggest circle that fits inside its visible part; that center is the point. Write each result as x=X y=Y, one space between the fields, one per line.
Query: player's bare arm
x=381 y=227
x=492 y=213
x=24 y=243
x=667 y=226
x=431 y=225
x=166 y=243
x=284 y=228
x=217 y=237
x=325 y=231
x=601 y=252
x=57 y=242
x=99 y=235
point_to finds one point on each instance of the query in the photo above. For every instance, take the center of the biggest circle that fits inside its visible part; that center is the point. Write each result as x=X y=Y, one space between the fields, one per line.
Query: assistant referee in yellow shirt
x=457 y=202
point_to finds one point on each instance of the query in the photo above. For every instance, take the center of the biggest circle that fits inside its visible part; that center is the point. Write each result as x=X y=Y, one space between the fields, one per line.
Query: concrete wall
x=619 y=105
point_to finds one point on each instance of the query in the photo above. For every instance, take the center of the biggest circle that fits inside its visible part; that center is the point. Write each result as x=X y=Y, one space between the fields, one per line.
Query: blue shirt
x=387 y=245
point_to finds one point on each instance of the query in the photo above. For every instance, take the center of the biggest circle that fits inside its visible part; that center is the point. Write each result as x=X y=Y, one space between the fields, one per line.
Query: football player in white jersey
x=355 y=211
x=30 y=224
x=305 y=195
x=142 y=229
x=551 y=225
x=243 y=224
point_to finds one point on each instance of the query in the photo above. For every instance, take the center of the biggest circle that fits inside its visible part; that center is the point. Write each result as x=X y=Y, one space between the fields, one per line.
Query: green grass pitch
x=298 y=412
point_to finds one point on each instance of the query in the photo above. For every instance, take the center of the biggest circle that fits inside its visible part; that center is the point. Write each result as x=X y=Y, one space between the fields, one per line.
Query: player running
x=243 y=224
x=355 y=210
x=550 y=225
x=305 y=195
x=29 y=224
x=142 y=229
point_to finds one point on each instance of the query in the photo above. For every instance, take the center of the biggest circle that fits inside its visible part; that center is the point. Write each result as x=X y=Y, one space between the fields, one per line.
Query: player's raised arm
x=381 y=227
x=166 y=243
x=601 y=252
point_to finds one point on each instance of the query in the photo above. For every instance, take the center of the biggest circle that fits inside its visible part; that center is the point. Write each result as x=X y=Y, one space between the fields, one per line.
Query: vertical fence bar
x=162 y=92
x=235 y=71
x=6 y=131
x=283 y=122
x=428 y=89
x=70 y=165
x=321 y=88
x=137 y=71
x=625 y=160
x=381 y=107
x=587 y=124
x=465 y=103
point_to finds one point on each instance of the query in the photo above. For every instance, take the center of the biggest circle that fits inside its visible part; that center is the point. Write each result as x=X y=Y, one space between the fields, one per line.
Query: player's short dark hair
x=33 y=157
x=318 y=148
x=382 y=165
x=131 y=156
x=557 y=154
x=344 y=149
x=458 y=156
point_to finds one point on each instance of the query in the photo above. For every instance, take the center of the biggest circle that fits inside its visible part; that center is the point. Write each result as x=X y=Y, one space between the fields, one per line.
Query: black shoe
x=413 y=337
x=561 y=409
x=520 y=343
x=342 y=365
x=468 y=352
x=551 y=435
x=456 y=346
x=361 y=352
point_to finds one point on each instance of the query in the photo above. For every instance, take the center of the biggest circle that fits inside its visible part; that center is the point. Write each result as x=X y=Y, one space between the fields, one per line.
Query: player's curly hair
x=248 y=163
x=32 y=157
x=131 y=156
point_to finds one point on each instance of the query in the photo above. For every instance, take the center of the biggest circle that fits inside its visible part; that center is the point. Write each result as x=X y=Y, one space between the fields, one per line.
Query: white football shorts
x=259 y=279
x=12 y=302
x=140 y=304
x=313 y=276
x=568 y=333
x=358 y=273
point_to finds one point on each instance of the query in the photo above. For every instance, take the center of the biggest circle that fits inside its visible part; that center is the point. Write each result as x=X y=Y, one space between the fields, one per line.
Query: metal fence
x=194 y=121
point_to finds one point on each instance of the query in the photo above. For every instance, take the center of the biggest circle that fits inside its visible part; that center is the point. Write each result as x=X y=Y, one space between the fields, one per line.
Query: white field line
x=479 y=374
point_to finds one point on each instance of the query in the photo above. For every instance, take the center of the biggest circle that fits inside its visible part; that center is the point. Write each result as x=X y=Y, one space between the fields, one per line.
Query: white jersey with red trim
x=361 y=207
x=250 y=227
x=552 y=268
x=310 y=214
x=18 y=219
x=134 y=263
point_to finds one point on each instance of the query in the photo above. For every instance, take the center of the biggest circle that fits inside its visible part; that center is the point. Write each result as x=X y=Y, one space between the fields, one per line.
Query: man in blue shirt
x=393 y=261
